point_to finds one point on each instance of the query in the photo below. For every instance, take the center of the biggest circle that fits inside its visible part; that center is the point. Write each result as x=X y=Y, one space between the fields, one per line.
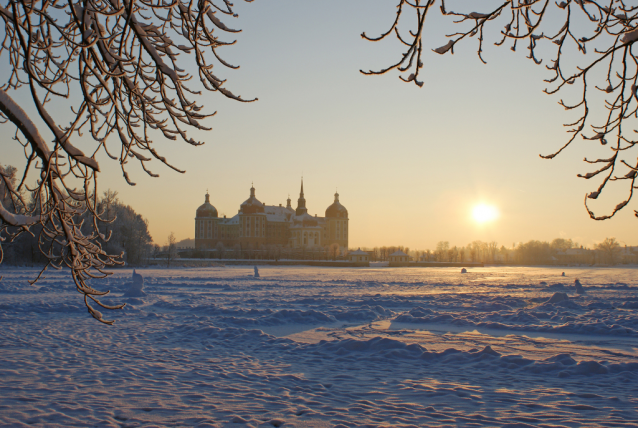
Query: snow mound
x=363 y=314
x=378 y=347
x=547 y=318
x=557 y=298
x=285 y=316
x=560 y=365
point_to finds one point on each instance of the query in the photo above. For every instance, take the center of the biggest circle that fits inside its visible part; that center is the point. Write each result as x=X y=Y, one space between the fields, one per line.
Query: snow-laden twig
x=609 y=25
x=121 y=57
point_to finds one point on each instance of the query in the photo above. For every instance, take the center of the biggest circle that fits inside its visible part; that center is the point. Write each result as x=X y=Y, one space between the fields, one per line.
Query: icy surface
x=324 y=347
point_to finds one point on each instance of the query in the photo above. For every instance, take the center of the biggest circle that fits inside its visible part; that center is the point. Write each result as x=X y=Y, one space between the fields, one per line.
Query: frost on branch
x=589 y=44
x=122 y=58
x=445 y=48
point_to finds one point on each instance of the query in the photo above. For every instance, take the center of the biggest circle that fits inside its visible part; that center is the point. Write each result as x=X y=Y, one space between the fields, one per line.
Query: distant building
x=575 y=256
x=359 y=256
x=257 y=224
x=399 y=258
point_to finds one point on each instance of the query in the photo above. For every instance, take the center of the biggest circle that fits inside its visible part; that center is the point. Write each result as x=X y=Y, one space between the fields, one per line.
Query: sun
x=484 y=213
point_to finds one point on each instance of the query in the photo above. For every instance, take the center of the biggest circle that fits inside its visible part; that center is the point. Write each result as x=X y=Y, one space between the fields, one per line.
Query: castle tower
x=252 y=221
x=206 y=218
x=301 y=202
x=337 y=223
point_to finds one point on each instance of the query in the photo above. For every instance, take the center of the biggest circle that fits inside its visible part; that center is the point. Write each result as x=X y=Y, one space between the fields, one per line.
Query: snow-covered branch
x=121 y=57
x=559 y=33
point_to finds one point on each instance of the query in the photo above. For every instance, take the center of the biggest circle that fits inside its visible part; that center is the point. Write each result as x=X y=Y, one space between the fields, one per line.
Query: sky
x=410 y=163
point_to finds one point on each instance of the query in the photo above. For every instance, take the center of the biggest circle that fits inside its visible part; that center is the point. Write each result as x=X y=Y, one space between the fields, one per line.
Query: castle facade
x=256 y=225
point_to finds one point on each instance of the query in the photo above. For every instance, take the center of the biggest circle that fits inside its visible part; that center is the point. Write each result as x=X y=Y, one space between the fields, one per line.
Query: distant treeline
x=127 y=232
x=561 y=251
x=124 y=230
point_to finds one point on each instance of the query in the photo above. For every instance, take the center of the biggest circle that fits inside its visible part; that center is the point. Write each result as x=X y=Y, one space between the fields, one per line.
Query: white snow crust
x=323 y=347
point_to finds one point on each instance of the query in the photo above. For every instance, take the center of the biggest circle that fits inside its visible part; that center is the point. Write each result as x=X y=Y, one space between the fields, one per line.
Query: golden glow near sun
x=484 y=213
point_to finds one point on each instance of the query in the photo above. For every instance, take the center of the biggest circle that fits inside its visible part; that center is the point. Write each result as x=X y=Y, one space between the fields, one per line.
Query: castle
x=257 y=225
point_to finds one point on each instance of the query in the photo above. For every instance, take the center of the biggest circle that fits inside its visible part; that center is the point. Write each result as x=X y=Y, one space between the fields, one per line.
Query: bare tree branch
x=119 y=58
x=559 y=27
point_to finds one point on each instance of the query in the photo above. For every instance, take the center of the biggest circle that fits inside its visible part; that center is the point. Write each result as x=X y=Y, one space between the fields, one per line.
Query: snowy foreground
x=323 y=347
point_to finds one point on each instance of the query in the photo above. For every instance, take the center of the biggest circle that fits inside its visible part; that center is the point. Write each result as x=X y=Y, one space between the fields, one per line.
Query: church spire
x=301 y=202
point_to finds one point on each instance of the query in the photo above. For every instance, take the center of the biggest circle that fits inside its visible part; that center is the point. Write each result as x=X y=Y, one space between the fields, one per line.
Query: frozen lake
x=323 y=347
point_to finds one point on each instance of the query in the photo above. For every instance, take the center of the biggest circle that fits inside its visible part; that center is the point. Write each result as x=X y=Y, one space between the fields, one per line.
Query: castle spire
x=301 y=202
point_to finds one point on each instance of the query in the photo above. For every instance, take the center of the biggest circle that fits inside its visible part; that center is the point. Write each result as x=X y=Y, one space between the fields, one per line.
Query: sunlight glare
x=483 y=213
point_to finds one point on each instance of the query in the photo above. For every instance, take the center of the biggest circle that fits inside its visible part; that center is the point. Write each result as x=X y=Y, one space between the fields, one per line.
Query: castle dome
x=336 y=209
x=252 y=205
x=207 y=210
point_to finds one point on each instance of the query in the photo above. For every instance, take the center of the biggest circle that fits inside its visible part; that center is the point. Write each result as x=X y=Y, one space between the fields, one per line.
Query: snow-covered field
x=323 y=347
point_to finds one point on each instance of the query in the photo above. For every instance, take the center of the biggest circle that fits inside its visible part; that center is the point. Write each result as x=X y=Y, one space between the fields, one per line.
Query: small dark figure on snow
x=136 y=289
x=579 y=287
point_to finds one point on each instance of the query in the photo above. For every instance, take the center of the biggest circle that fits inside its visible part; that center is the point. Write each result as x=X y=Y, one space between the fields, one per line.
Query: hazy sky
x=409 y=163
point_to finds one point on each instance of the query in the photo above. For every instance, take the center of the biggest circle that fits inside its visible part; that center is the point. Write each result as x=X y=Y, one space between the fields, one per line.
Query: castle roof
x=306 y=220
x=252 y=205
x=232 y=220
x=358 y=253
x=277 y=214
x=398 y=253
x=336 y=209
x=206 y=209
